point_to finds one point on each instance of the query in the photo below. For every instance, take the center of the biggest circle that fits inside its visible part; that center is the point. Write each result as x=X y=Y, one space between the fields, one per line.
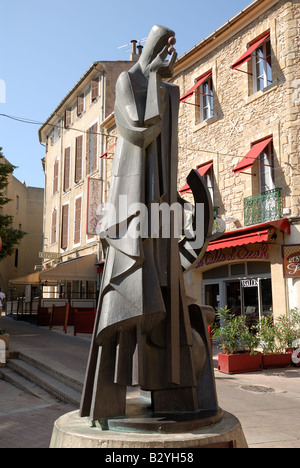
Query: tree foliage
x=10 y=236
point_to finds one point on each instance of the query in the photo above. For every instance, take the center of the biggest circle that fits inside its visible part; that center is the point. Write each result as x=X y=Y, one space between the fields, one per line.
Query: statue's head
x=159 y=37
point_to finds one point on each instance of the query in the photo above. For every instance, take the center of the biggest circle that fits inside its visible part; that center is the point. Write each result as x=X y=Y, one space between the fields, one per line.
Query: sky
x=47 y=46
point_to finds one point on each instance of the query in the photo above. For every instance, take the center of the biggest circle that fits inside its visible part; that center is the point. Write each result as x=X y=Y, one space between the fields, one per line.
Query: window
x=95 y=89
x=80 y=104
x=67 y=169
x=205 y=99
x=17 y=203
x=65 y=227
x=16 y=258
x=54 y=226
x=55 y=177
x=77 y=223
x=92 y=149
x=209 y=180
x=266 y=169
x=78 y=159
x=68 y=118
x=262 y=66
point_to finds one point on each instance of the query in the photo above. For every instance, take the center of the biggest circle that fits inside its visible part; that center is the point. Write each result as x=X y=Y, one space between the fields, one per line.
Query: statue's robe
x=142 y=331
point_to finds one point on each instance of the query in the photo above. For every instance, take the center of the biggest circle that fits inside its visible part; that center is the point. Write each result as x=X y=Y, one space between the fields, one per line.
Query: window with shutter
x=65 y=227
x=78 y=159
x=67 y=169
x=68 y=118
x=95 y=89
x=77 y=224
x=54 y=226
x=55 y=177
x=92 y=149
x=80 y=104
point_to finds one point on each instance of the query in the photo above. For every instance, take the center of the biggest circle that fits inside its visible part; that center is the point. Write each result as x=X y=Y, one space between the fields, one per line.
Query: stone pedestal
x=71 y=431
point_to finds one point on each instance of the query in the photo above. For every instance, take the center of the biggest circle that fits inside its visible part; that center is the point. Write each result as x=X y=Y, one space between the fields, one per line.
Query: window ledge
x=261 y=93
x=79 y=184
x=205 y=123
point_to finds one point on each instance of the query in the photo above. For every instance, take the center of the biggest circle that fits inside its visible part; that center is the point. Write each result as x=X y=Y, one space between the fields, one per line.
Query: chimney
x=134 y=57
x=140 y=49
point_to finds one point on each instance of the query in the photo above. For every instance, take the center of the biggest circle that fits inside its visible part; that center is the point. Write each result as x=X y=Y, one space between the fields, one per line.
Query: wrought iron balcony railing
x=263 y=207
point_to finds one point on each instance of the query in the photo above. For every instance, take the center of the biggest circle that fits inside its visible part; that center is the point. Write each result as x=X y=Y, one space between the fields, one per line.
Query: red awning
x=202 y=171
x=244 y=239
x=106 y=152
x=247 y=55
x=250 y=235
x=201 y=80
x=251 y=157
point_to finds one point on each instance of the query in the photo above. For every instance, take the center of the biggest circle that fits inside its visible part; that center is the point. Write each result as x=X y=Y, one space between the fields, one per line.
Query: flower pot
x=273 y=361
x=5 y=338
x=239 y=363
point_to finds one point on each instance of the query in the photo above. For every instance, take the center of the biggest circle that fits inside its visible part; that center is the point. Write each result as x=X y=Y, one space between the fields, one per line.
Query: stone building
x=26 y=208
x=239 y=127
x=75 y=182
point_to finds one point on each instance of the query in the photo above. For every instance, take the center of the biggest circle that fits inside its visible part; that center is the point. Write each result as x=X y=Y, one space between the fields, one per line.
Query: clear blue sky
x=47 y=46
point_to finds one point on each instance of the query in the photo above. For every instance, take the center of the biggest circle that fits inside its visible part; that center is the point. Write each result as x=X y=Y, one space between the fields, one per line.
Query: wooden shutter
x=67 y=169
x=95 y=88
x=54 y=227
x=88 y=156
x=68 y=118
x=77 y=224
x=80 y=104
x=65 y=227
x=95 y=147
x=78 y=159
x=55 y=177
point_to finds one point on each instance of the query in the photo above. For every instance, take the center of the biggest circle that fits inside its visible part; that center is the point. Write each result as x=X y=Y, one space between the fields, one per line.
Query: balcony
x=263 y=207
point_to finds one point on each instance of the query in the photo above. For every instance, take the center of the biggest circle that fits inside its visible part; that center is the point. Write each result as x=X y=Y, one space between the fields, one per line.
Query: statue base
x=222 y=430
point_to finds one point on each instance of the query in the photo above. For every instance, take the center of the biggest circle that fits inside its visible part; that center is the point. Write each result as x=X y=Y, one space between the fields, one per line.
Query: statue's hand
x=162 y=67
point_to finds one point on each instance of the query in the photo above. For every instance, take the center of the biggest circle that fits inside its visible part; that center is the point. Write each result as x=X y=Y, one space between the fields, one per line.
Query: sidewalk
x=266 y=403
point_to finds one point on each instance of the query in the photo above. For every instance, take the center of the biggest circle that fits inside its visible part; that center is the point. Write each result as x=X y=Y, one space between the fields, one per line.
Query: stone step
x=26 y=385
x=51 y=368
x=52 y=385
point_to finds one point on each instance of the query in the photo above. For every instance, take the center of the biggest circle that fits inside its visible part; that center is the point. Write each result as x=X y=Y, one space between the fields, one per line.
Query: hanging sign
x=93 y=204
x=250 y=283
x=291 y=261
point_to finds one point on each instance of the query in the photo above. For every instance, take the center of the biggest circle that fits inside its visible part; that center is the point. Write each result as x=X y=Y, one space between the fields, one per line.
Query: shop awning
x=252 y=156
x=247 y=55
x=202 y=171
x=32 y=279
x=250 y=235
x=78 y=269
x=201 y=80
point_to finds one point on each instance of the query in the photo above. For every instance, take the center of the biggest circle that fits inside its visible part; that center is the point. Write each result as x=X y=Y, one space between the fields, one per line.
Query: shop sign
x=93 y=204
x=250 y=283
x=242 y=253
x=50 y=255
x=291 y=261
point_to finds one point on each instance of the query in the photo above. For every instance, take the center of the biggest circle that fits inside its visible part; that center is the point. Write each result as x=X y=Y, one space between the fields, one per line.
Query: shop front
x=244 y=271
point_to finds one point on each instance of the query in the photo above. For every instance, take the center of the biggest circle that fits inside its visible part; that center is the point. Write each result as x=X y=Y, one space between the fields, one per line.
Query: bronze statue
x=147 y=333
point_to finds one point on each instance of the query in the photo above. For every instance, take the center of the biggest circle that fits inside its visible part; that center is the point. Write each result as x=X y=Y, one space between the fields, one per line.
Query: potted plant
x=273 y=342
x=238 y=342
x=4 y=337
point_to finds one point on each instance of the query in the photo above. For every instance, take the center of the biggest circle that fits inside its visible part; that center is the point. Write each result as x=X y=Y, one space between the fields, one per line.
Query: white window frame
x=206 y=100
x=266 y=169
x=260 y=58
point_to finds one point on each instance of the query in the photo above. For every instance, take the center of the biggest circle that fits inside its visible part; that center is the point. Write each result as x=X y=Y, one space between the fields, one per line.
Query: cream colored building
x=26 y=208
x=75 y=182
x=239 y=127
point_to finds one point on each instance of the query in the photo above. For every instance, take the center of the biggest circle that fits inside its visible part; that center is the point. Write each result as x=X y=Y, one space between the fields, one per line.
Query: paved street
x=266 y=403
